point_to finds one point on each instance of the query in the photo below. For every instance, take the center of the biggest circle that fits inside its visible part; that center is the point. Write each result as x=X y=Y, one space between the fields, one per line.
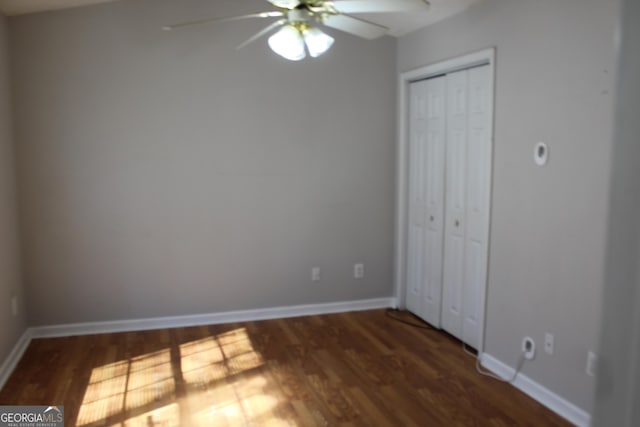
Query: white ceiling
x=399 y=23
x=20 y=7
x=403 y=23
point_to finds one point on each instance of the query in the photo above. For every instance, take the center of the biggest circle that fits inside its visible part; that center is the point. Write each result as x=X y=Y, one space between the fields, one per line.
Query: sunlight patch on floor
x=214 y=381
x=167 y=416
x=126 y=385
x=213 y=358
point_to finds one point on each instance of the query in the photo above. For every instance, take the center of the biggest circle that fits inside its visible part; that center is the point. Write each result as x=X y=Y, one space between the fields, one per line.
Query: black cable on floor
x=521 y=359
x=406 y=322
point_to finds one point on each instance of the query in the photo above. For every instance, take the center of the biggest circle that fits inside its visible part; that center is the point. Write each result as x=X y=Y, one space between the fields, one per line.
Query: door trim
x=483 y=57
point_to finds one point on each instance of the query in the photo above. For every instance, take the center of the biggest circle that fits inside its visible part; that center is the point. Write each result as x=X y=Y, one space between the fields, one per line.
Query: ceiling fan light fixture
x=317 y=41
x=288 y=43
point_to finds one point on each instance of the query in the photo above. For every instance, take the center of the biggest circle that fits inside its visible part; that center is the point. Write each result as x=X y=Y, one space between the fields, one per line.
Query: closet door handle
x=431 y=218
x=457 y=223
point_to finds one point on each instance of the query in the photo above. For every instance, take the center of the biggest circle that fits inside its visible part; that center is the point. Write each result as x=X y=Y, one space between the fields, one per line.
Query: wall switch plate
x=315 y=274
x=592 y=362
x=549 y=343
x=358 y=271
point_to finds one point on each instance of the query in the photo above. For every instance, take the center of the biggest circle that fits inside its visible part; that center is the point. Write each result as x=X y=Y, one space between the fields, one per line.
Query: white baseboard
x=208 y=319
x=556 y=403
x=14 y=357
x=551 y=400
x=10 y=363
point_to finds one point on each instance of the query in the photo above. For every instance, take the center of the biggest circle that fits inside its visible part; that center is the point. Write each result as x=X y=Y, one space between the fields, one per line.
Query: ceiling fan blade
x=380 y=6
x=285 y=4
x=270 y=14
x=262 y=32
x=355 y=26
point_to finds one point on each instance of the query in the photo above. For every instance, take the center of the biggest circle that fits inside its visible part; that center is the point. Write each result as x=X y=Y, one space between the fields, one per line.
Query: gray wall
x=555 y=61
x=618 y=385
x=10 y=281
x=166 y=173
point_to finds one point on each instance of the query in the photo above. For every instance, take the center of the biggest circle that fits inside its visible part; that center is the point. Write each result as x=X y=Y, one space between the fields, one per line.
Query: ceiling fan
x=298 y=32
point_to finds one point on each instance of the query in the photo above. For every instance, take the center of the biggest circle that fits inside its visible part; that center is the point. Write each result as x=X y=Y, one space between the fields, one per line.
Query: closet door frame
x=483 y=57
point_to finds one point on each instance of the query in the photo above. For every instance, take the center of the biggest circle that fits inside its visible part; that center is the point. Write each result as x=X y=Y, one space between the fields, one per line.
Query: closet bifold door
x=476 y=255
x=455 y=222
x=427 y=127
x=467 y=203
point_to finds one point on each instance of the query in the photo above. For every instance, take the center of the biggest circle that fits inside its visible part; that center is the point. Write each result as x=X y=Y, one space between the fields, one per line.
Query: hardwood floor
x=351 y=369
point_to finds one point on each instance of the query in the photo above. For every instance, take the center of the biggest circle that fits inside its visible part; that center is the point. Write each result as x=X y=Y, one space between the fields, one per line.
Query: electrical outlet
x=549 y=343
x=592 y=364
x=358 y=271
x=528 y=348
x=14 y=305
x=315 y=274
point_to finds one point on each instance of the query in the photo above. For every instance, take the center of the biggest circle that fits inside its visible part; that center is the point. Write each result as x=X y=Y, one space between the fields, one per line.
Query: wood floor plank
x=356 y=369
